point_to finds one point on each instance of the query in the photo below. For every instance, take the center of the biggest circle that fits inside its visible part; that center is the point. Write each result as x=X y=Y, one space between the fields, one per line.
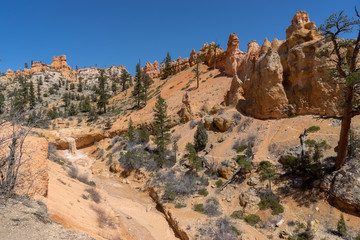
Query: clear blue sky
x=106 y=32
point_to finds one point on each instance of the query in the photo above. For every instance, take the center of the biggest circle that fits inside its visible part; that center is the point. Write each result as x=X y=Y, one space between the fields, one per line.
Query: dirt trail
x=127 y=213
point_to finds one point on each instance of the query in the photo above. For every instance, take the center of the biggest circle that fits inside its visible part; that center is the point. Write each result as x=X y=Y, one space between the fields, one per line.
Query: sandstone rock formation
x=235 y=92
x=227 y=168
x=193 y=57
x=39 y=67
x=264 y=92
x=10 y=74
x=284 y=78
x=234 y=56
x=249 y=200
x=344 y=186
x=59 y=62
x=185 y=112
x=152 y=69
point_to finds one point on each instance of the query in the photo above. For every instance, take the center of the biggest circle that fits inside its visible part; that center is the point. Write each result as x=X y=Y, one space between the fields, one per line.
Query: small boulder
x=227 y=168
x=253 y=181
x=249 y=199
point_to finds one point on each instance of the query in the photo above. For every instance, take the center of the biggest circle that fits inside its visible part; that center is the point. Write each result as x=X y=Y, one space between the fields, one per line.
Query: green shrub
x=180 y=205
x=313 y=129
x=199 y=207
x=194 y=159
x=219 y=183
x=169 y=195
x=236 y=230
x=341 y=226
x=252 y=219
x=109 y=147
x=241 y=148
x=243 y=163
x=273 y=202
x=200 y=137
x=203 y=192
x=357 y=238
x=238 y=214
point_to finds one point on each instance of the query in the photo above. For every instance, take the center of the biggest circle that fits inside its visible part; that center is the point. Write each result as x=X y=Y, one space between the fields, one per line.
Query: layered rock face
x=59 y=62
x=152 y=69
x=38 y=67
x=283 y=78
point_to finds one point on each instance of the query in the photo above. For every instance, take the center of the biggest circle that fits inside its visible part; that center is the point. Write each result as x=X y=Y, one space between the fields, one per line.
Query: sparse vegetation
x=252 y=219
x=341 y=226
x=273 y=202
x=199 y=207
x=238 y=214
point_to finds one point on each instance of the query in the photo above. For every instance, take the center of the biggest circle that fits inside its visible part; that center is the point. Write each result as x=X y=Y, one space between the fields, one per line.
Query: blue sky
x=110 y=32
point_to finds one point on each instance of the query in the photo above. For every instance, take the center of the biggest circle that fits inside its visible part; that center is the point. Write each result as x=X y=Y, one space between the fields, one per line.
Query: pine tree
x=161 y=129
x=124 y=79
x=215 y=47
x=32 y=99
x=113 y=88
x=73 y=110
x=2 y=103
x=80 y=85
x=197 y=73
x=138 y=92
x=39 y=99
x=103 y=98
x=345 y=71
x=66 y=99
x=175 y=149
x=194 y=159
x=341 y=226
x=131 y=131
x=86 y=105
x=167 y=69
x=147 y=82
x=268 y=173
x=200 y=137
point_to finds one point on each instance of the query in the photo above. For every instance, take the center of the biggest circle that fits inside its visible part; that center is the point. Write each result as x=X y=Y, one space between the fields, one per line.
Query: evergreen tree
x=268 y=173
x=103 y=98
x=147 y=82
x=215 y=47
x=18 y=105
x=167 y=69
x=66 y=99
x=175 y=149
x=92 y=114
x=2 y=103
x=32 y=99
x=200 y=137
x=80 y=85
x=131 y=131
x=161 y=129
x=138 y=92
x=39 y=92
x=113 y=88
x=72 y=86
x=341 y=226
x=124 y=79
x=197 y=73
x=345 y=72
x=194 y=159
x=86 y=105
x=26 y=65
x=73 y=110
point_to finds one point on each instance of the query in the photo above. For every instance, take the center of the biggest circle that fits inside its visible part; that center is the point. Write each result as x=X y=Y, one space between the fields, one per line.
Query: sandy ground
x=121 y=214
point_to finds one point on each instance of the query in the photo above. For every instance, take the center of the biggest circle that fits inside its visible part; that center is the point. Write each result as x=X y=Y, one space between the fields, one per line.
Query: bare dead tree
x=13 y=133
x=345 y=70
